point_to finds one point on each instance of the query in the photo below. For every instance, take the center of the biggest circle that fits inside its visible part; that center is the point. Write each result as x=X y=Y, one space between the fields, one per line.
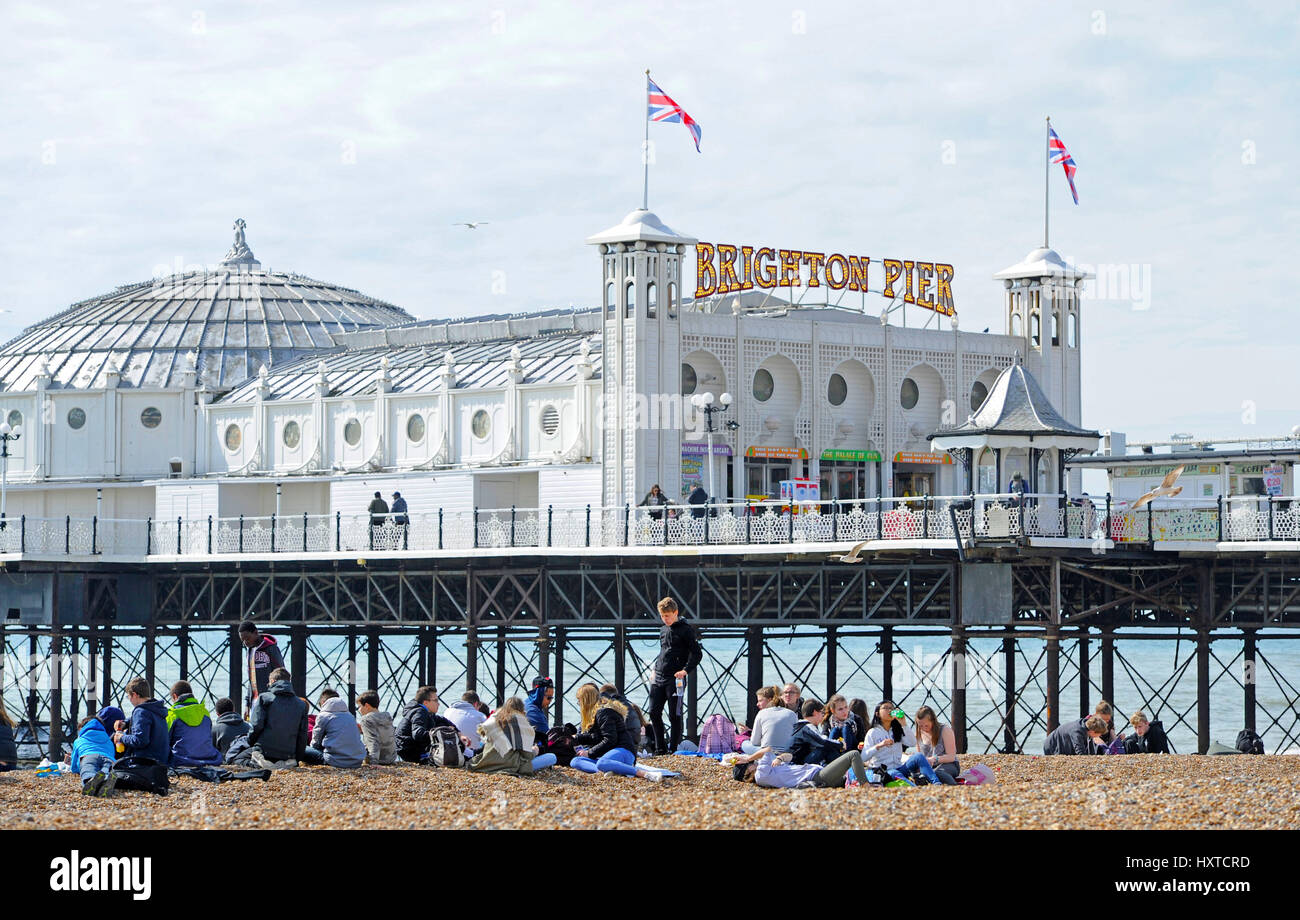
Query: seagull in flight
x=853 y=555
x=471 y=224
x=1166 y=488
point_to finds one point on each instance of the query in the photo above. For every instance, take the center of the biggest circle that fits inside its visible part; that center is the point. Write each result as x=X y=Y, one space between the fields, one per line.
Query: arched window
x=610 y=300
x=672 y=301
x=1035 y=330
x=1015 y=324
x=1056 y=327
x=651 y=299
x=631 y=300
x=1072 y=330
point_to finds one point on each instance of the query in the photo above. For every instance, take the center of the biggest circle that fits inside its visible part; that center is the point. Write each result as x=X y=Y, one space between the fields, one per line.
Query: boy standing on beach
x=679 y=654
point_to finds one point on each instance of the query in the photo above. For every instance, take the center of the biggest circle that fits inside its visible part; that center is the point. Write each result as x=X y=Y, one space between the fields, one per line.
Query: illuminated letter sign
x=721 y=268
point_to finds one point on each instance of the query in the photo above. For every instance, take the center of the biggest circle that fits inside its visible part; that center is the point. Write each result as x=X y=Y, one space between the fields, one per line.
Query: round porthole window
x=480 y=424
x=415 y=428
x=15 y=419
x=763 y=385
x=837 y=390
x=550 y=420
x=352 y=432
x=910 y=394
x=978 y=393
x=292 y=435
x=234 y=437
x=689 y=380
x=76 y=418
x=151 y=417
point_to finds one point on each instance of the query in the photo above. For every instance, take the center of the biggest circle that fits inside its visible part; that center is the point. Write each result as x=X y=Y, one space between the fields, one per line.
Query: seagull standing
x=472 y=224
x=853 y=555
x=1166 y=489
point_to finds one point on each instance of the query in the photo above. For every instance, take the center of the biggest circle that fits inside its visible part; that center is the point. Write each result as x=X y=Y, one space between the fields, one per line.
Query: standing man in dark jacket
x=146 y=734
x=263 y=658
x=413 y=726
x=279 y=723
x=378 y=513
x=679 y=654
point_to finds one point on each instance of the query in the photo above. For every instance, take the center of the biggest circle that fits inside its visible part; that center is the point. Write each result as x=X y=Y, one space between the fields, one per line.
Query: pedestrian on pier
x=401 y=520
x=378 y=514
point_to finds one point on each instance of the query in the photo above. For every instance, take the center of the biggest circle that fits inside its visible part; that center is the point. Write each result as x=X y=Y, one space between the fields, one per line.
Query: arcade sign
x=721 y=268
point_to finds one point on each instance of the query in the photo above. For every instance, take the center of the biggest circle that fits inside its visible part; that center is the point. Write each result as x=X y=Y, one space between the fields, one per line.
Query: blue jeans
x=620 y=761
x=917 y=763
x=542 y=761
x=92 y=764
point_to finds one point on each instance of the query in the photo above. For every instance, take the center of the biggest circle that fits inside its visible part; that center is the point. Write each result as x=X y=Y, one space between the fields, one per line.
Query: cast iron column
x=1108 y=665
x=471 y=658
x=560 y=689
x=754 y=649
x=298 y=655
x=501 y=666
x=1009 y=743
x=958 y=665
x=1085 y=677
x=372 y=659
x=236 y=668
x=887 y=662
x=1248 y=653
x=1203 y=690
x=832 y=663
x=1053 y=679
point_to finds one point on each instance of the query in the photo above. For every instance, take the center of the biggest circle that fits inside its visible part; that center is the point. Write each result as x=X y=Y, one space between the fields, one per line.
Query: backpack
x=141 y=773
x=1249 y=743
x=559 y=741
x=718 y=735
x=444 y=747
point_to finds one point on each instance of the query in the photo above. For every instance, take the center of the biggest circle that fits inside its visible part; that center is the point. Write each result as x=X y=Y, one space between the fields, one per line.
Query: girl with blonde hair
x=606 y=744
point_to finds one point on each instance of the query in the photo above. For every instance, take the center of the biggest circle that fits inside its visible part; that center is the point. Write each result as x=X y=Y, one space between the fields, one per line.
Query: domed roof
x=224 y=325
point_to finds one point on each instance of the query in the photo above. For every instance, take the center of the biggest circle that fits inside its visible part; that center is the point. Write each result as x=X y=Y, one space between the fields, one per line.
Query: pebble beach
x=1138 y=792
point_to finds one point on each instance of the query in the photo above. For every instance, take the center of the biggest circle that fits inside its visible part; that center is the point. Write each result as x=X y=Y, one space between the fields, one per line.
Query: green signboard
x=853 y=456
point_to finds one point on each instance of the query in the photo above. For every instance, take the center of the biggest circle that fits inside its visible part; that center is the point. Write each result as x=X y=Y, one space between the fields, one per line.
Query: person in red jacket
x=263 y=658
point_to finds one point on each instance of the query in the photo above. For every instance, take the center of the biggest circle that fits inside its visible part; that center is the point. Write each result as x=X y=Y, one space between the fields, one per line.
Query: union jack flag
x=663 y=109
x=1056 y=150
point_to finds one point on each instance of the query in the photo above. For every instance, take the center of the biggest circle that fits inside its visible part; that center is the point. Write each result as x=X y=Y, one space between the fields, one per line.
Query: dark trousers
x=661 y=695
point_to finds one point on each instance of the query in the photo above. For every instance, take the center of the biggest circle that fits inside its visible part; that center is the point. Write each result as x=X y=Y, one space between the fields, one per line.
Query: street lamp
x=704 y=403
x=7 y=433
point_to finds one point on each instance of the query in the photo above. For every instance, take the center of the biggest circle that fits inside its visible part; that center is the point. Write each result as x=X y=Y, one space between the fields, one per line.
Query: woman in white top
x=886 y=739
x=938 y=744
x=774 y=724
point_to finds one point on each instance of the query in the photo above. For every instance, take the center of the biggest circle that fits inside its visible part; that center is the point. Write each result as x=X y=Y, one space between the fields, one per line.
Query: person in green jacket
x=189 y=729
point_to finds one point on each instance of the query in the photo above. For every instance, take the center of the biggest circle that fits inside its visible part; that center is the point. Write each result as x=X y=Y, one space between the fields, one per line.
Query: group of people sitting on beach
x=797 y=742
x=1096 y=734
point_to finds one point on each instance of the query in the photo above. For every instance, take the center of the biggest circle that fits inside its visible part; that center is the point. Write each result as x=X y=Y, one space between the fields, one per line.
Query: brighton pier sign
x=721 y=268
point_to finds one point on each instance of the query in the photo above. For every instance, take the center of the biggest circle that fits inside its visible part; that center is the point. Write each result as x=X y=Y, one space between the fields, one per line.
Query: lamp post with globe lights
x=704 y=403
x=7 y=433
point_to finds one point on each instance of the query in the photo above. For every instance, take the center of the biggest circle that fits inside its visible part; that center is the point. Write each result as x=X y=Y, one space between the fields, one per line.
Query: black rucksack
x=444 y=747
x=141 y=773
x=1249 y=743
x=559 y=741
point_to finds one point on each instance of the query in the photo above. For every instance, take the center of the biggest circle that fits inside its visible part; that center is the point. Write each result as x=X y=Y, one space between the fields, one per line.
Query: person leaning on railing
x=656 y=501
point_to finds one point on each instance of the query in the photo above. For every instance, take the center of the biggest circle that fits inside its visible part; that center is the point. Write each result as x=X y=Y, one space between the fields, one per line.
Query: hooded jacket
x=634 y=725
x=263 y=658
x=1070 y=738
x=536 y=711
x=338 y=736
x=146 y=735
x=467 y=719
x=679 y=650
x=1155 y=741
x=379 y=738
x=279 y=723
x=808 y=745
x=94 y=738
x=189 y=732
x=226 y=729
x=608 y=730
x=412 y=731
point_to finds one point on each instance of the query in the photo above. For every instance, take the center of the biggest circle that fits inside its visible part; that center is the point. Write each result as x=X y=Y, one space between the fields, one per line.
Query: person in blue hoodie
x=189 y=729
x=539 y=701
x=93 y=752
x=146 y=735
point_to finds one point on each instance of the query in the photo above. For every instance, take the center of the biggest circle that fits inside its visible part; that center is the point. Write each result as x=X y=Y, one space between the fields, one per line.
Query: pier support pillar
x=691 y=729
x=372 y=658
x=150 y=656
x=298 y=656
x=887 y=662
x=431 y=650
x=1108 y=665
x=1085 y=675
x=237 y=654
x=544 y=655
x=958 y=664
x=832 y=664
x=1053 y=679
x=1202 y=690
x=352 y=669
x=620 y=657
x=183 y=653
x=1248 y=677
x=560 y=689
x=471 y=658
x=56 y=695
x=1010 y=744
x=754 y=676
x=501 y=667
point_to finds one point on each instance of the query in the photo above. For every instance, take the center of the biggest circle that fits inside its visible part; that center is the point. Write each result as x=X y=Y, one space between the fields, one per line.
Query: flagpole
x=645 y=151
x=1047 y=176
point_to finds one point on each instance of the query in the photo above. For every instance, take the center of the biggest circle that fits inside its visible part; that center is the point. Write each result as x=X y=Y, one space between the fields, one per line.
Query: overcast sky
x=352 y=136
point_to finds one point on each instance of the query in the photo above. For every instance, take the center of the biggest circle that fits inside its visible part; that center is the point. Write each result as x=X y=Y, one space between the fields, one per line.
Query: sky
x=352 y=137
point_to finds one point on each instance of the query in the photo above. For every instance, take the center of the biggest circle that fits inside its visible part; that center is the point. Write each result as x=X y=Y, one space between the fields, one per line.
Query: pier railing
x=978 y=517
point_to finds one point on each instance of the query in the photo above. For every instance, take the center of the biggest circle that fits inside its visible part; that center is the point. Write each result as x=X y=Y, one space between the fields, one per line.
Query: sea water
x=1157 y=676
